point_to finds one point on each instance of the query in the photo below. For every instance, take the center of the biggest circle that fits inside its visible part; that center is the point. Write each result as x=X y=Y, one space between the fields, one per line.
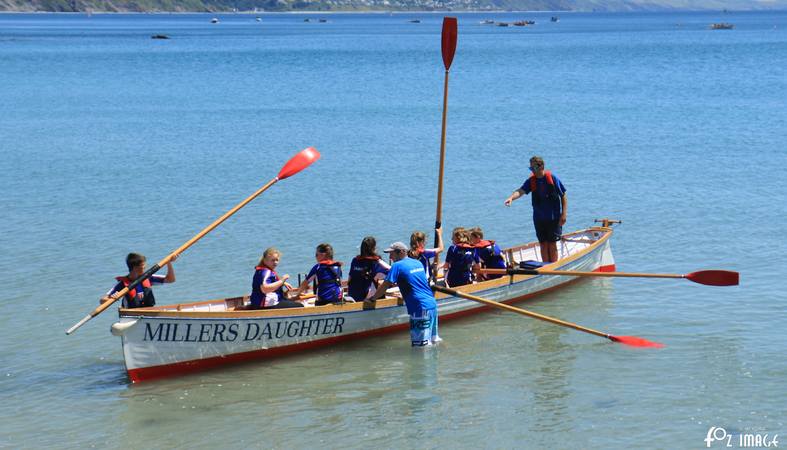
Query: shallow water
x=112 y=142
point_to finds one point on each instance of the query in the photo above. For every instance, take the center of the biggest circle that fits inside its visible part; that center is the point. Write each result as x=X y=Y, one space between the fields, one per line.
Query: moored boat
x=722 y=26
x=174 y=339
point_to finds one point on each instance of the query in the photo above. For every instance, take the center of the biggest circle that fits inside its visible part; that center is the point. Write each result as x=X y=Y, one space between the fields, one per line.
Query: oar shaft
x=524 y=312
x=441 y=171
x=216 y=223
x=575 y=273
x=117 y=295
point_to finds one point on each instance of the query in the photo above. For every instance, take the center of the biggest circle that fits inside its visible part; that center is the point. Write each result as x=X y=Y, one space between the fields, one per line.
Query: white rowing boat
x=174 y=339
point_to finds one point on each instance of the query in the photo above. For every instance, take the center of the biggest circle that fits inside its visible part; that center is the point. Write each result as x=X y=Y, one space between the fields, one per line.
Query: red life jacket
x=484 y=243
x=547 y=174
x=132 y=293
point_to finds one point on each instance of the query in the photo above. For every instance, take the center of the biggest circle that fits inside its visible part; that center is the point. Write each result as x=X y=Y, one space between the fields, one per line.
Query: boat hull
x=166 y=341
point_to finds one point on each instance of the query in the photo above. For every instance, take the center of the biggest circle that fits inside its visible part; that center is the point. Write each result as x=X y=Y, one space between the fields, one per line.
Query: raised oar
x=300 y=161
x=449 y=37
x=708 y=277
x=628 y=340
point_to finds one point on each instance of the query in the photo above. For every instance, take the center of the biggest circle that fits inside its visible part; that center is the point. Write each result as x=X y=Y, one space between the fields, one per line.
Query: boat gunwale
x=387 y=302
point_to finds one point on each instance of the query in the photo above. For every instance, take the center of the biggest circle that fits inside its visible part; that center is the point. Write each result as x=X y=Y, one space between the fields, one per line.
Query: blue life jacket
x=257 y=296
x=461 y=259
x=329 y=282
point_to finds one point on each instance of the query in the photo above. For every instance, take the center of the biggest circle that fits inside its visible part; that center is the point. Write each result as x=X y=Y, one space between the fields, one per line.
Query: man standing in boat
x=410 y=276
x=142 y=295
x=550 y=206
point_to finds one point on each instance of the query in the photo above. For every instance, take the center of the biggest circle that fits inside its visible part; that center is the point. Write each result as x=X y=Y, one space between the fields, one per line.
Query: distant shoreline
x=83 y=13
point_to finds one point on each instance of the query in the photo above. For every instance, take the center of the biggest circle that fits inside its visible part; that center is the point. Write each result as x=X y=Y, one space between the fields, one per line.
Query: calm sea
x=112 y=142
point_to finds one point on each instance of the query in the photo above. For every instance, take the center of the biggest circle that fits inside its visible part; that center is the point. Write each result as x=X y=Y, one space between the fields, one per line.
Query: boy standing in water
x=550 y=206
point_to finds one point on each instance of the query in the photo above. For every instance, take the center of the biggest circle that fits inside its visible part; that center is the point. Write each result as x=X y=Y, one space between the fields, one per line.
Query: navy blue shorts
x=548 y=230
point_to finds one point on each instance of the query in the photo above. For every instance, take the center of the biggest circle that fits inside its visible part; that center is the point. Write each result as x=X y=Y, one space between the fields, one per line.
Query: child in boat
x=489 y=254
x=424 y=255
x=267 y=289
x=328 y=275
x=366 y=270
x=142 y=295
x=461 y=259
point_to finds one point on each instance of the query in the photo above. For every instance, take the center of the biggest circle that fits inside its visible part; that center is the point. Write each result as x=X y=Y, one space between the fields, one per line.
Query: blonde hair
x=460 y=235
x=477 y=233
x=268 y=252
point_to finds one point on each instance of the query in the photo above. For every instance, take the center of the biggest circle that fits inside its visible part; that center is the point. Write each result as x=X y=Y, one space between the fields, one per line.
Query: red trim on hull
x=181 y=368
x=609 y=268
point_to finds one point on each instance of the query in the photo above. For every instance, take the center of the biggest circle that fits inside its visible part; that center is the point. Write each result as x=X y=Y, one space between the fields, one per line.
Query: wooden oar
x=708 y=277
x=628 y=340
x=449 y=37
x=300 y=161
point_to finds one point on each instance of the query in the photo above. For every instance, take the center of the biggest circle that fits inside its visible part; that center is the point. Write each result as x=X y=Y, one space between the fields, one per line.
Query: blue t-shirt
x=545 y=208
x=410 y=276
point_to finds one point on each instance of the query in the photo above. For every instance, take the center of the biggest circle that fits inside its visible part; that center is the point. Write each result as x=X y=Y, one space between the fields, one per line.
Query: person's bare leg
x=552 y=251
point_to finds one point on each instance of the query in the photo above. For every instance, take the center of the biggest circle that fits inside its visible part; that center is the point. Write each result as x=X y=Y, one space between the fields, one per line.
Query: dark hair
x=134 y=259
x=369 y=246
x=325 y=248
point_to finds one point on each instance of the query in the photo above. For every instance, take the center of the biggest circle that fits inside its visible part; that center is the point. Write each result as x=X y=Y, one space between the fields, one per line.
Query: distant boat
x=520 y=23
x=323 y=20
x=258 y=19
x=214 y=20
x=555 y=19
x=159 y=36
x=721 y=26
x=487 y=22
x=503 y=24
x=307 y=20
x=415 y=21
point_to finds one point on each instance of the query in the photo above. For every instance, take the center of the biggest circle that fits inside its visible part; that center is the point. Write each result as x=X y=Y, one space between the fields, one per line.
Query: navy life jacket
x=136 y=297
x=361 y=276
x=550 y=194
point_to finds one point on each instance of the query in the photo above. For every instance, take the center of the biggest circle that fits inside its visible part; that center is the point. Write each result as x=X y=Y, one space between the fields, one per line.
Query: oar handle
x=524 y=312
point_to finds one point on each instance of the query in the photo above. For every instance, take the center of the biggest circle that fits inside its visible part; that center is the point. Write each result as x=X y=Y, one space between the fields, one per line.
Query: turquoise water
x=112 y=141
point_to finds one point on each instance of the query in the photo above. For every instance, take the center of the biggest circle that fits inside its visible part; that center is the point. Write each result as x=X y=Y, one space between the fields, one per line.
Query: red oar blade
x=635 y=341
x=302 y=160
x=715 y=277
x=449 y=41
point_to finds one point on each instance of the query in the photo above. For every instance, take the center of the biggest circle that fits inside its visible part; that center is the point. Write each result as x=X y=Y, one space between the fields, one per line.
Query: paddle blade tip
x=715 y=277
x=300 y=161
x=635 y=341
x=449 y=37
